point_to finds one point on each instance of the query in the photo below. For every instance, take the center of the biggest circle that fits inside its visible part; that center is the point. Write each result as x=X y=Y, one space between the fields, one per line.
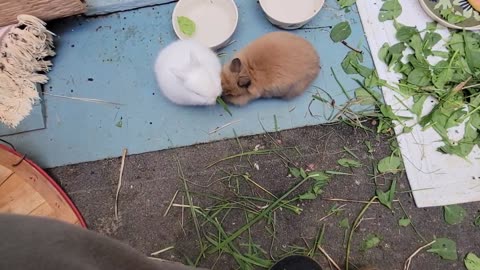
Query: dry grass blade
x=170 y=204
x=328 y=257
x=409 y=259
x=161 y=251
x=124 y=154
x=222 y=127
x=92 y=100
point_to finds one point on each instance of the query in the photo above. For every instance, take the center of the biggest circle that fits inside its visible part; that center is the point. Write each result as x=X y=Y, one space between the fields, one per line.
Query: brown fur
x=278 y=64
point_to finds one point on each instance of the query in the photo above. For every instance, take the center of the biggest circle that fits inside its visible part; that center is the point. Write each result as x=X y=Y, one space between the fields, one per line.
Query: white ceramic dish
x=290 y=14
x=215 y=21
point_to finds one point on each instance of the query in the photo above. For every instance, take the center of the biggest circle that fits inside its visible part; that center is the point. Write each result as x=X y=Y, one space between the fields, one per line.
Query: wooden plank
x=4 y=174
x=43 y=9
x=37 y=184
x=18 y=197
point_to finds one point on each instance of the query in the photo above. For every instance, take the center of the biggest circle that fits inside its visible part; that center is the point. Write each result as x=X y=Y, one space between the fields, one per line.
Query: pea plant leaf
x=404 y=222
x=390 y=10
x=472 y=262
x=389 y=164
x=370 y=242
x=346 y=3
x=386 y=198
x=349 y=163
x=445 y=248
x=476 y=222
x=340 y=32
x=187 y=26
x=454 y=214
x=344 y=224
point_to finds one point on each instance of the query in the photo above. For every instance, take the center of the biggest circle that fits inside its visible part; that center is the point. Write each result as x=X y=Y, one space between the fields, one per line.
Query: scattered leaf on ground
x=404 y=222
x=370 y=242
x=445 y=248
x=386 y=198
x=340 y=32
x=389 y=164
x=472 y=262
x=344 y=224
x=349 y=163
x=454 y=214
x=476 y=222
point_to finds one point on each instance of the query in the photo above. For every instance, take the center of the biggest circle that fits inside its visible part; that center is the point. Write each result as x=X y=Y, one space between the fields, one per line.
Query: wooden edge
x=33 y=175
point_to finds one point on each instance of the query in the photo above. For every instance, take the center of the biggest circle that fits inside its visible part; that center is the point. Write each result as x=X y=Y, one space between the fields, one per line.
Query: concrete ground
x=150 y=181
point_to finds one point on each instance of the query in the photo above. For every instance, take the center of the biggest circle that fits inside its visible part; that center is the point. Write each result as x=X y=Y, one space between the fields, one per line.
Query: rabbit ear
x=194 y=60
x=244 y=81
x=236 y=65
x=177 y=73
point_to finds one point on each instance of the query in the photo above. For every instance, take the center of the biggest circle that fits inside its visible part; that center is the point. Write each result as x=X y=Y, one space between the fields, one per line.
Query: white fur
x=188 y=73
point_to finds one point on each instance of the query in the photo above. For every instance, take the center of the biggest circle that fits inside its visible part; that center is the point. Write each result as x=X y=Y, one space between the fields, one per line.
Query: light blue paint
x=118 y=52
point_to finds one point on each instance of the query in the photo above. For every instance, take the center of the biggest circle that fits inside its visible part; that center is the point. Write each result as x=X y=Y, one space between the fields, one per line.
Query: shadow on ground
x=150 y=181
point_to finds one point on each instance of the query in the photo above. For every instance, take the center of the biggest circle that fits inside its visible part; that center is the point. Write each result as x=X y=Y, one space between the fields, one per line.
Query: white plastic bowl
x=215 y=21
x=290 y=14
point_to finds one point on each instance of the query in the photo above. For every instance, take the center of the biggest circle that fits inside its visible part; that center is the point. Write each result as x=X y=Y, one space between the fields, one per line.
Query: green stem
x=259 y=216
x=355 y=224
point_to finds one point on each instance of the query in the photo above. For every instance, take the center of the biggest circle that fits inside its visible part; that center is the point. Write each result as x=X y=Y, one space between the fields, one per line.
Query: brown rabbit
x=278 y=64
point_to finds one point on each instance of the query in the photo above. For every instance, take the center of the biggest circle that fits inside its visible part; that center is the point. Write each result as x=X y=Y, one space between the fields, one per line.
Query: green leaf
x=389 y=164
x=365 y=97
x=476 y=222
x=303 y=174
x=432 y=26
x=405 y=33
x=319 y=176
x=454 y=214
x=370 y=242
x=224 y=105
x=187 y=26
x=294 y=172
x=404 y=222
x=419 y=77
x=340 y=32
x=349 y=163
x=472 y=262
x=344 y=224
x=386 y=198
x=382 y=53
x=451 y=16
x=346 y=3
x=373 y=81
x=418 y=102
x=445 y=248
x=119 y=123
x=308 y=196
x=390 y=10
x=351 y=62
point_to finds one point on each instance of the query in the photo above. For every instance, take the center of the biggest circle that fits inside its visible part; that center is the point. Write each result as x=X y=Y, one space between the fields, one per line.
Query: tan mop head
x=23 y=50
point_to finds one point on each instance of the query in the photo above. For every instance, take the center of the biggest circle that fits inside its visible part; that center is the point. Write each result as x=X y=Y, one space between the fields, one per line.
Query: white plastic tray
x=436 y=179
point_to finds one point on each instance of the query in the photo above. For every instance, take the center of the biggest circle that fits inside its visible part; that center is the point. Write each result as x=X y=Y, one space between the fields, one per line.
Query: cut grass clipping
x=214 y=239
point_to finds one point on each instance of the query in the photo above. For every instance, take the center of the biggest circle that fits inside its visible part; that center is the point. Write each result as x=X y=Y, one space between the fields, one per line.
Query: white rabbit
x=188 y=73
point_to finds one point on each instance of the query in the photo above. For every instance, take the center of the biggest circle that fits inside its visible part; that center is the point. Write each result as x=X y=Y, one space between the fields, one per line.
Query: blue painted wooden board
x=111 y=58
x=34 y=121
